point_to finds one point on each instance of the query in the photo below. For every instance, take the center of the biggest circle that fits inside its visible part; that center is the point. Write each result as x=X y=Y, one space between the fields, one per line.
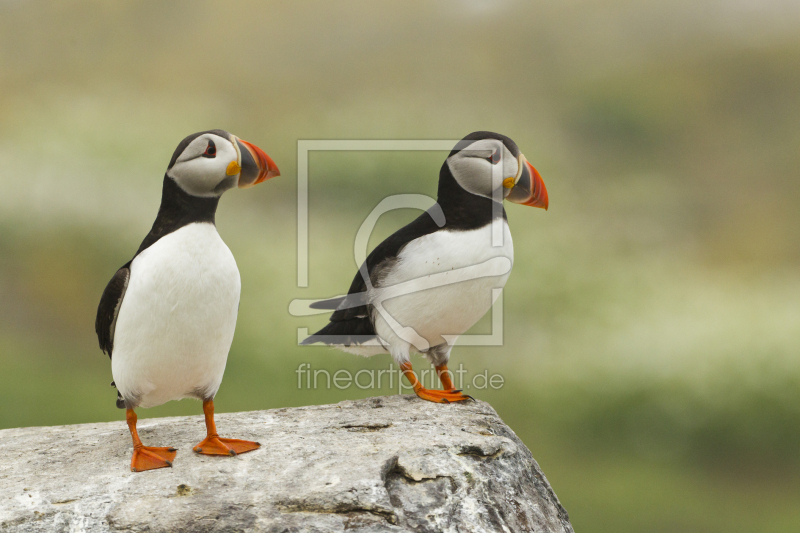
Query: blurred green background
x=652 y=321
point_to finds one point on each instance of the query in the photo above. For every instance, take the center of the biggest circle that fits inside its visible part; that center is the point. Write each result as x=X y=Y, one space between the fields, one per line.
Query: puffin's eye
x=495 y=157
x=211 y=149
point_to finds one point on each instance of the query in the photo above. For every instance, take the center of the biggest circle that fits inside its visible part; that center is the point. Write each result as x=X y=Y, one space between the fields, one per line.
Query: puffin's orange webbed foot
x=147 y=457
x=432 y=395
x=151 y=457
x=442 y=396
x=213 y=445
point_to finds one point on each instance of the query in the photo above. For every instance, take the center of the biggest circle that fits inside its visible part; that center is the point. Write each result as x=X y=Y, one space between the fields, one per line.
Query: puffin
x=167 y=317
x=431 y=280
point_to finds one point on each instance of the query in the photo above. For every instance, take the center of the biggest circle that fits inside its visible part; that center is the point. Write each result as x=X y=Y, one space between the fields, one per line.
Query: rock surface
x=378 y=465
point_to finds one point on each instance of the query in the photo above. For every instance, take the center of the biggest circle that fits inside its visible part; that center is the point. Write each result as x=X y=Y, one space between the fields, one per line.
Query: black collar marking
x=464 y=211
x=178 y=209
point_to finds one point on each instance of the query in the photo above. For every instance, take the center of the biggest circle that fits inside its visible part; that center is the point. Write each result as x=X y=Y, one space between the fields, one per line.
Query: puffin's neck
x=462 y=209
x=178 y=208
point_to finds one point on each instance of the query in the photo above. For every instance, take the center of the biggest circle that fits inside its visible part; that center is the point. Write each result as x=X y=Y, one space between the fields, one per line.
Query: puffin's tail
x=120 y=400
x=346 y=333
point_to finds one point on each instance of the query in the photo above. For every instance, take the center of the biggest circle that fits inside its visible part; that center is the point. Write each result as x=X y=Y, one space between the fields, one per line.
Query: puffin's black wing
x=352 y=316
x=108 y=309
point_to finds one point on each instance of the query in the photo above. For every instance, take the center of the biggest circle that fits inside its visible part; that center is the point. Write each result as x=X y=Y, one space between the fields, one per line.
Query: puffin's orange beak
x=257 y=166
x=528 y=187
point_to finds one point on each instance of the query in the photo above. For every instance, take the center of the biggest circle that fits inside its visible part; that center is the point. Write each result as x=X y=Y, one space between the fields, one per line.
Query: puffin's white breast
x=176 y=322
x=452 y=307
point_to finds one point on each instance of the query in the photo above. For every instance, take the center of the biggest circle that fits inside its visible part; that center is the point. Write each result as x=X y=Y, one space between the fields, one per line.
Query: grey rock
x=378 y=465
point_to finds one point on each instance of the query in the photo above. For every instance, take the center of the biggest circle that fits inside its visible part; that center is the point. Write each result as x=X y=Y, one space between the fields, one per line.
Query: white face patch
x=482 y=166
x=202 y=175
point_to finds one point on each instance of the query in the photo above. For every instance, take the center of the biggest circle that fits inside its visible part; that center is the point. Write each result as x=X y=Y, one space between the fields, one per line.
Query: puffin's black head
x=208 y=163
x=488 y=164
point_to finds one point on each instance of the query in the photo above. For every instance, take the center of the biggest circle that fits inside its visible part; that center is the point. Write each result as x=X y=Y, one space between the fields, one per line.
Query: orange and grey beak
x=527 y=188
x=256 y=166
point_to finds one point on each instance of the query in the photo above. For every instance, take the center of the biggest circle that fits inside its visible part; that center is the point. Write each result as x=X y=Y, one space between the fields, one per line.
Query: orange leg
x=147 y=457
x=438 y=396
x=214 y=445
x=444 y=377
